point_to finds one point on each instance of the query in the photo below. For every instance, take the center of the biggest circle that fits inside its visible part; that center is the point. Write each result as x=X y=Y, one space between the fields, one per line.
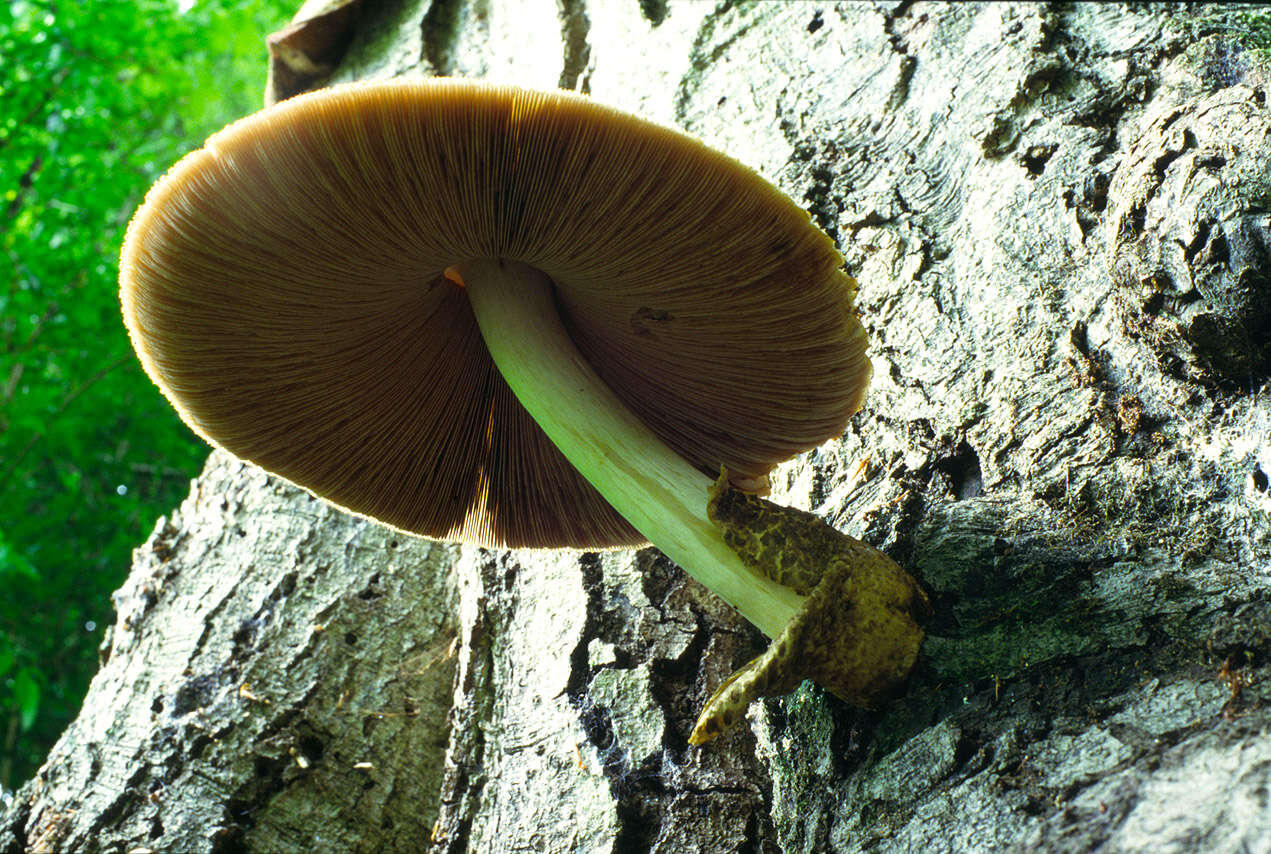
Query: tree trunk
x=1058 y=214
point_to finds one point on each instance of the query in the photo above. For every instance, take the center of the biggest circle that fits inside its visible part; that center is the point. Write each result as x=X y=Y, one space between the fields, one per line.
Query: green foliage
x=1246 y=26
x=96 y=100
x=1251 y=26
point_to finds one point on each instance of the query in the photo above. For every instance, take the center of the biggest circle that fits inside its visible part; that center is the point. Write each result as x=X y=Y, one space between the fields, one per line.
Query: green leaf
x=13 y=563
x=26 y=691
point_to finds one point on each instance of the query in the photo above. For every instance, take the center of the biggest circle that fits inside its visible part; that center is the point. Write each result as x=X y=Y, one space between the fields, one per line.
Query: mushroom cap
x=284 y=287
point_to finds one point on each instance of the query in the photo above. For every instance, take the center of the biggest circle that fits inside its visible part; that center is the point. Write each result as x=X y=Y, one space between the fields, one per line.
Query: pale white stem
x=656 y=490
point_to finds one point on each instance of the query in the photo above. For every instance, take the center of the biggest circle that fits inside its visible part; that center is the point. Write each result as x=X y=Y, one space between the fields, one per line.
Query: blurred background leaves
x=97 y=100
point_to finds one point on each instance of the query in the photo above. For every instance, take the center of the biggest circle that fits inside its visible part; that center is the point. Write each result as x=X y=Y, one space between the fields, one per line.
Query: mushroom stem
x=654 y=488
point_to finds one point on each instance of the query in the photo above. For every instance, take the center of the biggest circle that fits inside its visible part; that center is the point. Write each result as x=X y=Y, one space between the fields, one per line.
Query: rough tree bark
x=1059 y=215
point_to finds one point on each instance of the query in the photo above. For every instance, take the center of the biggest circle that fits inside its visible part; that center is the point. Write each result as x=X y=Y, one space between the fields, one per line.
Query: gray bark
x=1059 y=217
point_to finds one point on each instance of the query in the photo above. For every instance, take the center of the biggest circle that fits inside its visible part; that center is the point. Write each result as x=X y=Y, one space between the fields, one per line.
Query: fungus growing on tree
x=522 y=319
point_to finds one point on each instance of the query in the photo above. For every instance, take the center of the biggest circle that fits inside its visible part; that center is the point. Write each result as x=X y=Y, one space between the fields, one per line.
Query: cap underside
x=283 y=286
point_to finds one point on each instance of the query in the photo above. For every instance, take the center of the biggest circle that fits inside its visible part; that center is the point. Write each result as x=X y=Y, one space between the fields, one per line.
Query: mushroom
x=522 y=319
